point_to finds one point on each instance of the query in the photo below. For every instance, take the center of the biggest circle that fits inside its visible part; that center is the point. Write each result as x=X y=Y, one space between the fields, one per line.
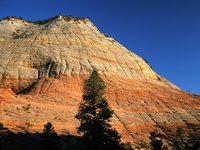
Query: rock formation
x=43 y=65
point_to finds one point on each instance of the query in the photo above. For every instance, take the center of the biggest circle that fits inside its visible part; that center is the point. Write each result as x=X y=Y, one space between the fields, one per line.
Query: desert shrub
x=27 y=127
x=126 y=146
x=1 y=126
x=142 y=144
x=156 y=141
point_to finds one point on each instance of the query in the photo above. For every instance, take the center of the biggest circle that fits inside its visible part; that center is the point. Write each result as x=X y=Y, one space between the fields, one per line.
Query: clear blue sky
x=165 y=32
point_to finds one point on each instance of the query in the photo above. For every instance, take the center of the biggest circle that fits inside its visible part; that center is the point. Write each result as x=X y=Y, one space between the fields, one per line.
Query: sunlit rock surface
x=43 y=66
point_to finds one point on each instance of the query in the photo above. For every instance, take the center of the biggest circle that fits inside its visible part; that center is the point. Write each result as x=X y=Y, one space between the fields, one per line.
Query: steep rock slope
x=43 y=66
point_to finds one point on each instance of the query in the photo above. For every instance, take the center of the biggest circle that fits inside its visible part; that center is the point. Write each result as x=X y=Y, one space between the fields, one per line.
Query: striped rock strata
x=43 y=66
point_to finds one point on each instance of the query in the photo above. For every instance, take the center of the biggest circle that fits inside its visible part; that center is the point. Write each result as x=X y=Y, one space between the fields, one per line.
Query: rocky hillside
x=43 y=65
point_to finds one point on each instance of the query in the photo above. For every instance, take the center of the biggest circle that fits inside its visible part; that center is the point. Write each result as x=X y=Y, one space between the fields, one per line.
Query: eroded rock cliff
x=43 y=65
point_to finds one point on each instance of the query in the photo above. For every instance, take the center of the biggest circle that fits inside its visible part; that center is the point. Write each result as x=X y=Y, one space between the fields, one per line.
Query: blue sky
x=164 y=32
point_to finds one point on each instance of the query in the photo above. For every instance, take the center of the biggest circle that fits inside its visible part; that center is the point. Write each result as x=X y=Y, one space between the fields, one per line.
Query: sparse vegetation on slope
x=140 y=98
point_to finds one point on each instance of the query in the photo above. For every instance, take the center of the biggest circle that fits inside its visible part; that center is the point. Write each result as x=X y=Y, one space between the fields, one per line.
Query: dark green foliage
x=183 y=141
x=48 y=129
x=194 y=141
x=50 y=139
x=1 y=126
x=179 y=141
x=27 y=126
x=10 y=17
x=156 y=142
x=143 y=145
x=126 y=146
x=42 y=22
x=179 y=132
x=184 y=138
x=94 y=115
x=106 y=35
x=194 y=136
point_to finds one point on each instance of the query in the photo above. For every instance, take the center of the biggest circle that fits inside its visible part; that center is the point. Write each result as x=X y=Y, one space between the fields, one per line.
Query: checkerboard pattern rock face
x=45 y=63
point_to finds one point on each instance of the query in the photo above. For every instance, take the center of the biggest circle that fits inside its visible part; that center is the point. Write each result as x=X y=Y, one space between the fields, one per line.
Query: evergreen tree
x=94 y=115
x=48 y=129
x=50 y=139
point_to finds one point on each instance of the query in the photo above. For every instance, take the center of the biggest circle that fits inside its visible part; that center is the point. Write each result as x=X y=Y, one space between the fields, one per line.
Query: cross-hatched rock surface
x=43 y=66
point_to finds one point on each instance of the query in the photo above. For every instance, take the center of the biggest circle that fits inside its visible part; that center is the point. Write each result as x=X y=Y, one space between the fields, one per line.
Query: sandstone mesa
x=43 y=65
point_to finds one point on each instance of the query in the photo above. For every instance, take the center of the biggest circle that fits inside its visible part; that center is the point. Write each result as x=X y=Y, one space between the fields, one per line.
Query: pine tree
x=50 y=139
x=94 y=115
